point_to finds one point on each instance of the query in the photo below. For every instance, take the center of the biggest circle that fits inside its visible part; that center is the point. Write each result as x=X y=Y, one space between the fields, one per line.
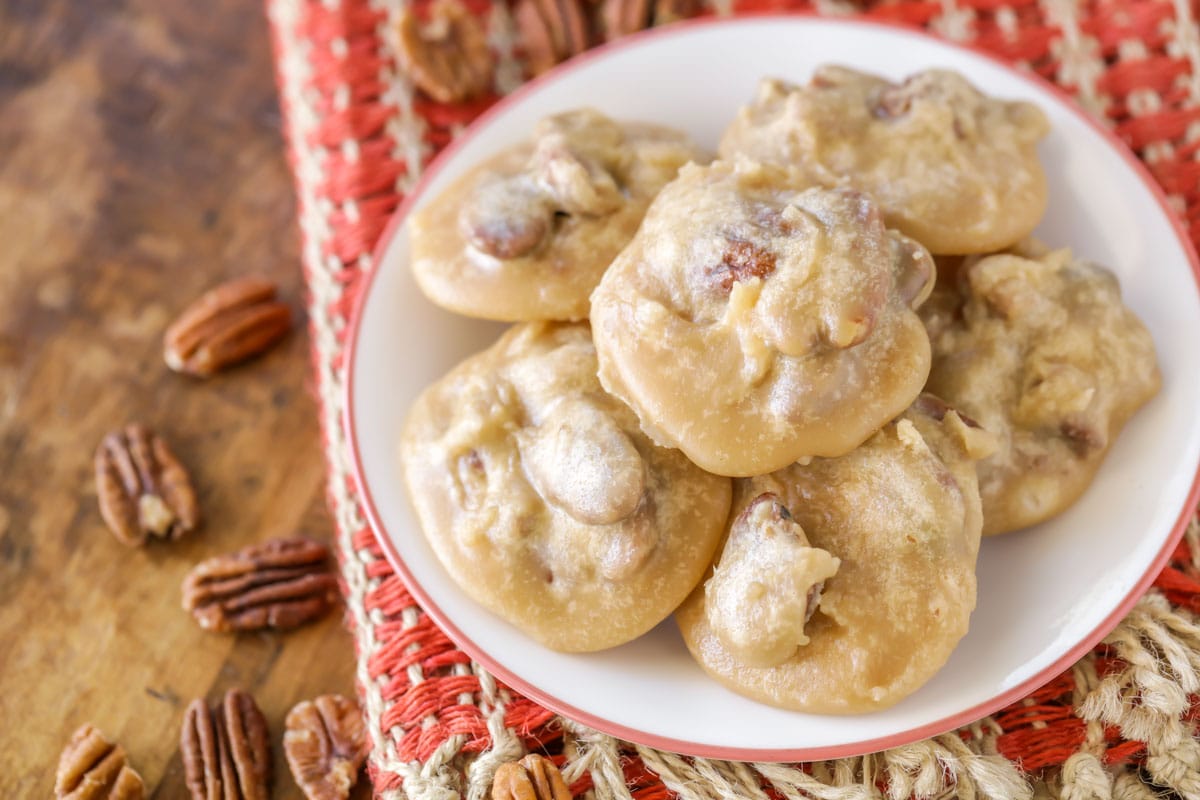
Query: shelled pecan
x=281 y=583
x=668 y=11
x=326 y=744
x=142 y=488
x=551 y=31
x=534 y=777
x=622 y=17
x=226 y=750
x=93 y=768
x=448 y=58
x=554 y=30
x=226 y=325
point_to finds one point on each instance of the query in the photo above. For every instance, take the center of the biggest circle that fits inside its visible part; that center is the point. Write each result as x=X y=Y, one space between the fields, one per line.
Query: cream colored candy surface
x=882 y=541
x=951 y=167
x=750 y=324
x=527 y=234
x=1042 y=352
x=546 y=503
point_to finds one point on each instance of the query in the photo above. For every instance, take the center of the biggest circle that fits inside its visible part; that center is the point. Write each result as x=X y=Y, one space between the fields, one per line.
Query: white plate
x=1045 y=595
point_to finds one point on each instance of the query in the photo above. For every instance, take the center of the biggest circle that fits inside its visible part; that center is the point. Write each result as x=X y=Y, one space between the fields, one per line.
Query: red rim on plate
x=940 y=726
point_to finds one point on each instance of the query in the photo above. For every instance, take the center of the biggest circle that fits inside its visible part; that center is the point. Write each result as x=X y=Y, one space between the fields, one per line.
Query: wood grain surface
x=141 y=162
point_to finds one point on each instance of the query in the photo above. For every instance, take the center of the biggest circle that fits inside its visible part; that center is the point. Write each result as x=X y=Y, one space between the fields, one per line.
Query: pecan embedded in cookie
x=951 y=167
x=751 y=323
x=526 y=234
x=1042 y=352
x=547 y=503
x=890 y=533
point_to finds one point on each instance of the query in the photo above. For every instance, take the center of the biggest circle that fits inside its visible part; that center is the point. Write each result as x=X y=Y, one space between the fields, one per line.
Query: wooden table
x=141 y=162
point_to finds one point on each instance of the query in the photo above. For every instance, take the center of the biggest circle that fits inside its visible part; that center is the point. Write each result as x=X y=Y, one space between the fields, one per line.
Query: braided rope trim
x=1119 y=723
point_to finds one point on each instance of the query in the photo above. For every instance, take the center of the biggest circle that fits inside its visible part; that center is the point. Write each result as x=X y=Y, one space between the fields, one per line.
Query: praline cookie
x=546 y=503
x=750 y=323
x=844 y=584
x=527 y=234
x=1042 y=352
x=951 y=167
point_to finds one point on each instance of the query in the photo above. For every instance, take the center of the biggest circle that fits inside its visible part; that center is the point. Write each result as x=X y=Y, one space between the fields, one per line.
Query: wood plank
x=140 y=163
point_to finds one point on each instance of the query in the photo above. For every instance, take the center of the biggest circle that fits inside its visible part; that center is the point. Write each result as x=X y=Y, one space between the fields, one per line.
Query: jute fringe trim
x=1147 y=701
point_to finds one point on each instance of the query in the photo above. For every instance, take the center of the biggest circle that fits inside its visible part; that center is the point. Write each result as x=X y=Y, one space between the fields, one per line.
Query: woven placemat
x=1119 y=724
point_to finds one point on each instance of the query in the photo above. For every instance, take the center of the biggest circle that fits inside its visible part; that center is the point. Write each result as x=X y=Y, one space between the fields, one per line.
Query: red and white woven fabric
x=1119 y=724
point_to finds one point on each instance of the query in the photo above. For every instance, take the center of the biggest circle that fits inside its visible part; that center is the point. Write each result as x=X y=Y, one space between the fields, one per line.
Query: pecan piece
x=551 y=31
x=622 y=17
x=93 y=768
x=226 y=750
x=326 y=744
x=740 y=262
x=142 y=488
x=226 y=325
x=506 y=217
x=668 y=11
x=448 y=58
x=281 y=583
x=534 y=777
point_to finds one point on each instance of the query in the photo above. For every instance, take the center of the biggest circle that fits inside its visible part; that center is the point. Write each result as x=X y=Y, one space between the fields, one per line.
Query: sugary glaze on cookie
x=544 y=500
x=750 y=324
x=883 y=546
x=527 y=234
x=951 y=167
x=1041 y=351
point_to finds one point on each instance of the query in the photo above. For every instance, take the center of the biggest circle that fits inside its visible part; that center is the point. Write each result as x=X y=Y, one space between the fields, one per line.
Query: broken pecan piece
x=534 y=777
x=226 y=750
x=226 y=325
x=142 y=488
x=741 y=261
x=281 y=583
x=448 y=58
x=93 y=768
x=326 y=744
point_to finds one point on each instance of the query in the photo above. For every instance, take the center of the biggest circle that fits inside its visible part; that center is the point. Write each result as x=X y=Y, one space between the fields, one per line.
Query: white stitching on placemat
x=301 y=119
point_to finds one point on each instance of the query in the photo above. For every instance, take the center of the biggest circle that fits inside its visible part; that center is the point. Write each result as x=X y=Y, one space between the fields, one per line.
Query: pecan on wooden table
x=326 y=744
x=142 y=488
x=226 y=750
x=93 y=768
x=226 y=325
x=281 y=583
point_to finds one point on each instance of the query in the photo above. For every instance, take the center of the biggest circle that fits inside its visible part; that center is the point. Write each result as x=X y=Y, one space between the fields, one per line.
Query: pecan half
x=622 y=17
x=93 y=768
x=534 y=777
x=506 y=217
x=226 y=325
x=226 y=750
x=326 y=744
x=142 y=488
x=742 y=261
x=281 y=583
x=551 y=31
x=668 y=11
x=448 y=58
